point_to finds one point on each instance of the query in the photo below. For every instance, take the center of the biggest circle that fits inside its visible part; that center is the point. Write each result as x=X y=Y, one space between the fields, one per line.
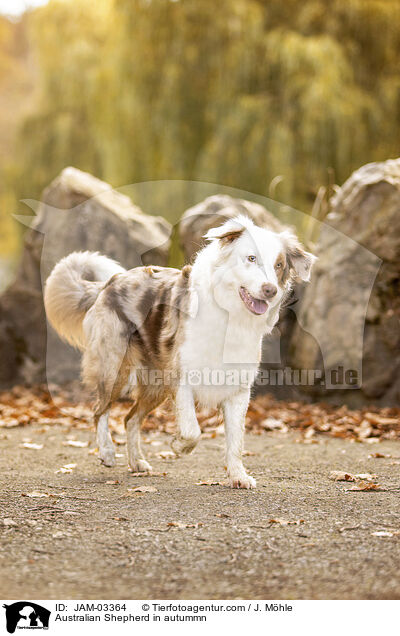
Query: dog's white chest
x=217 y=357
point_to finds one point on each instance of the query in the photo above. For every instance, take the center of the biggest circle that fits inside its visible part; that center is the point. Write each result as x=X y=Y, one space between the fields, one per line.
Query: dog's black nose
x=269 y=290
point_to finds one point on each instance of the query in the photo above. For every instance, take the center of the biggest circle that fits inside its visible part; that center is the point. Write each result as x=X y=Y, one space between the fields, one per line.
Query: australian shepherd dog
x=154 y=332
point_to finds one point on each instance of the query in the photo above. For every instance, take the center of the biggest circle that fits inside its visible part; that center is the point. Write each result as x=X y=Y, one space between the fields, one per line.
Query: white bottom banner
x=172 y=617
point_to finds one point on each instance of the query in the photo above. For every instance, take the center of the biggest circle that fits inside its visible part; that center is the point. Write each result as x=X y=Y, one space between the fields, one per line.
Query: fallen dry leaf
x=178 y=524
x=166 y=455
x=31 y=446
x=366 y=476
x=67 y=469
x=121 y=441
x=377 y=455
x=364 y=430
x=337 y=475
x=375 y=418
x=10 y=422
x=383 y=456
x=385 y=533
x=143 y=489
x=366 y=486
x=274 y=424
x=150 y=474
x=345 y=528
x=209 y=435
x=112 y=482
x=310 y=432
x=36 y=493
x=284 y=522
x=75 y=443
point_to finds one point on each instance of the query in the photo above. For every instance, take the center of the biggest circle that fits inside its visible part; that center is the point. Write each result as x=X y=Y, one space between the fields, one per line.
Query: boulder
x=77 y=212
x=212 y=212
x=351 y=308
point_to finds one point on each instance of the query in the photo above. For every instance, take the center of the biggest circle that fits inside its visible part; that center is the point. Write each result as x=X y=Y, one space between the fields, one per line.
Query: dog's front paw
x=184 y=445
x=140 y=466
x=242 y=481
x=107 y=457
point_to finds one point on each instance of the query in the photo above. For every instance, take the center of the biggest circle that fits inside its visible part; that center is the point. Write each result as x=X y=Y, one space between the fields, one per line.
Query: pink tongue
x=255 y=305
x=258 y=306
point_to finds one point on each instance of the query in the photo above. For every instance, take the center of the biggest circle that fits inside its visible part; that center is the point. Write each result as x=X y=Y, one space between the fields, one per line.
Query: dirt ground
x=91 y=537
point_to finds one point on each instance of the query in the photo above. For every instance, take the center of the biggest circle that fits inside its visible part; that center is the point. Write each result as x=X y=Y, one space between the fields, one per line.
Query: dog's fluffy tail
x=72 y=288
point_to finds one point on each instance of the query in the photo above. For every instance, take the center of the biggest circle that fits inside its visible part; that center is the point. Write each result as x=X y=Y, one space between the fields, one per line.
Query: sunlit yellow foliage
x=230 y=91
x=15 y=85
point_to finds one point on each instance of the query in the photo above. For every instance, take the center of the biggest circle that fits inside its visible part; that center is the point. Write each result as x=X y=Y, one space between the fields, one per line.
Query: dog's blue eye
x=252 y=259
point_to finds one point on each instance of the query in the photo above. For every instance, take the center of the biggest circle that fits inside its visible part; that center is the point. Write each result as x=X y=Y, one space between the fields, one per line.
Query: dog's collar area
x=256 y=306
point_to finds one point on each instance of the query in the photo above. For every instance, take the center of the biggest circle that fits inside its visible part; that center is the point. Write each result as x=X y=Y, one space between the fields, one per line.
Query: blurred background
x=277 y=98
x=172 y=101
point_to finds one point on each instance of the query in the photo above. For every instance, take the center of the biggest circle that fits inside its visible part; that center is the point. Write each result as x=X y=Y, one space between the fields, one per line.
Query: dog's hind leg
x=235 y=410
x=104 y=440
x=101 y=417
x=133 y=420
x=189 y=429
x=102 y=373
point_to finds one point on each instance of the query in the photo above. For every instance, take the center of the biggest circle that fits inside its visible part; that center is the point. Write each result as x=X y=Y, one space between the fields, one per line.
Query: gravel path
x=92 y=537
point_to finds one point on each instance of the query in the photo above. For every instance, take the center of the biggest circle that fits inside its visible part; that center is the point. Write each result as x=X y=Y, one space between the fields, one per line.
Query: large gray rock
x=77 y=212
x=212 y=212
x=352 y=317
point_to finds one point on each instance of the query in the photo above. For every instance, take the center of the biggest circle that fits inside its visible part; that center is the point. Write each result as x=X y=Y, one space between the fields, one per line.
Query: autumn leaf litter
x=21 y=407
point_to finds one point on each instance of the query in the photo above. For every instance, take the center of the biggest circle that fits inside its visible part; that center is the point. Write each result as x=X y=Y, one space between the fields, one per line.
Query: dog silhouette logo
x=26 y=615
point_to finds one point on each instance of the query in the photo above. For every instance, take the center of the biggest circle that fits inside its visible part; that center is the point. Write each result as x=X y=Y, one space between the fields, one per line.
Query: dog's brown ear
x=231 y=236
x=226 y=233
x=299 y=261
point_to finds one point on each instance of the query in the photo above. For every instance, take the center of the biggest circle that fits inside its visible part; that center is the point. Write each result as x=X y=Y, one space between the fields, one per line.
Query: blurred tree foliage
x=15 y=84
x=234 y=92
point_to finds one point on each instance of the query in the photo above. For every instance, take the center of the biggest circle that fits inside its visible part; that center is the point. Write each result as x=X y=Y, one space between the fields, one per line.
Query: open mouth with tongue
x=255 y=305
